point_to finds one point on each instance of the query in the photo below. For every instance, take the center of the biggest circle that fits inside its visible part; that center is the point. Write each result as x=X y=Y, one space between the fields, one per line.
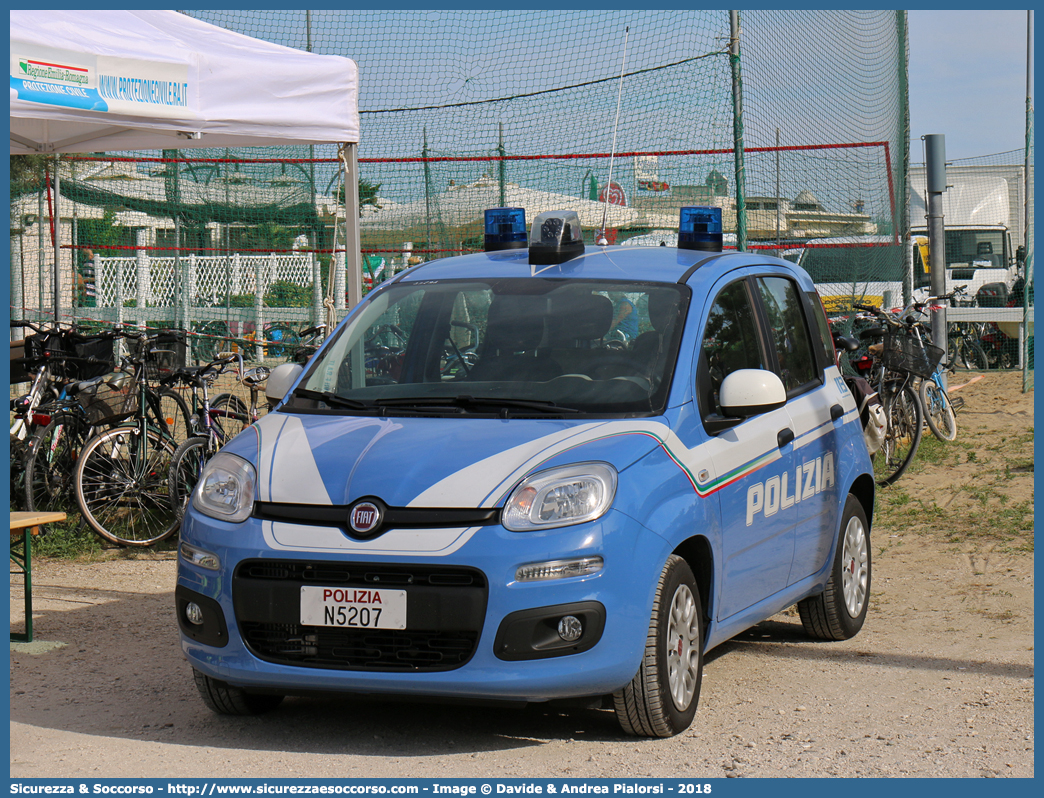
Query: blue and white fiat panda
x=544 y=471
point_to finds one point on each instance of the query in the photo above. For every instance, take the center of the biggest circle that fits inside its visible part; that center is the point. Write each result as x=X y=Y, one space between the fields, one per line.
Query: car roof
x=639 y=264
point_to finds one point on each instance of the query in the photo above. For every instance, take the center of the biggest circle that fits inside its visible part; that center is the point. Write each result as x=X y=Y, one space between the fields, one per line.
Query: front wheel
x=51 y=462
x=938 y=411
x=967 y=353
x=839 y=611
x=902 y=434
x=174 y=417
x=185 y=468
x=224 y=699
x=230 y=415
x=661 y=699
x=121 y=486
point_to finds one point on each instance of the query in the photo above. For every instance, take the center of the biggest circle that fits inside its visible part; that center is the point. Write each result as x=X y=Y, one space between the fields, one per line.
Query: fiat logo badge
x=364 y=517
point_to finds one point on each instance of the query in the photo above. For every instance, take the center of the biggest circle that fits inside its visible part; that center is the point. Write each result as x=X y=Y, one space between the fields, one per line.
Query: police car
x=474 y=490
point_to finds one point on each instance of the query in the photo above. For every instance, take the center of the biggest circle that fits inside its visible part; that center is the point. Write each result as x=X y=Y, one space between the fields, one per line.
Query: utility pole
x=935 y=187
x=737 y=131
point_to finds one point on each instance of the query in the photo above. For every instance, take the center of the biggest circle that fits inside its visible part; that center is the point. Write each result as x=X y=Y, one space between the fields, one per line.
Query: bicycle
x=936 y=405
x=42 y=454
x=893 y=358
x=187 y=463
x=121 y=474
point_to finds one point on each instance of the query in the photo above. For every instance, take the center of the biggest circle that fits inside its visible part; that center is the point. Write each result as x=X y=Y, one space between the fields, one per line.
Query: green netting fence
x=795 y=123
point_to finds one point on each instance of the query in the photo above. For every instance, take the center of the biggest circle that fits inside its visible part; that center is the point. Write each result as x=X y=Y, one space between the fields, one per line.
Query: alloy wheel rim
x=855 y=568
x=683 y=648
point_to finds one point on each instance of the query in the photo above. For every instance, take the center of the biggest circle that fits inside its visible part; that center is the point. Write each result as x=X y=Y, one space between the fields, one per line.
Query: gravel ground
x=938 y=684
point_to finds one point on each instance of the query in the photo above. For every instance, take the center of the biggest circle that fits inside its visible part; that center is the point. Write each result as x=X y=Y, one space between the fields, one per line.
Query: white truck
x=979 y=215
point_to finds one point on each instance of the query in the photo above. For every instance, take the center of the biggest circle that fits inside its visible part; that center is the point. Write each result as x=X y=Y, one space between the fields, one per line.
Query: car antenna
x=600 y=238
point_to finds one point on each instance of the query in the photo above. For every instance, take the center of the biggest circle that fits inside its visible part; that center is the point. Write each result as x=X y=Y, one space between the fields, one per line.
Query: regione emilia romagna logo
x=62 y=73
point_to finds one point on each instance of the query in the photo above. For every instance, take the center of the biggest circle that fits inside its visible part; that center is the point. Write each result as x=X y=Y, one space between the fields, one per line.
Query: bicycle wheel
x=967 y=353
x=51 y=462
x=902 y=435
x=174 y=415
x=17 y=473
x=185 y=467
x=230 y=415
x=204 y=340
x=121 y=486
x=938 y=411
x=282 y=339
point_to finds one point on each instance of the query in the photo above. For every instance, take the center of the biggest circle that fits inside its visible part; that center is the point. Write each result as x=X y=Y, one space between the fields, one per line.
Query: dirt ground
x=938 y=684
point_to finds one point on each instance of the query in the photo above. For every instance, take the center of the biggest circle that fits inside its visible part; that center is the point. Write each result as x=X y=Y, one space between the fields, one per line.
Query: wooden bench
x=23 y=527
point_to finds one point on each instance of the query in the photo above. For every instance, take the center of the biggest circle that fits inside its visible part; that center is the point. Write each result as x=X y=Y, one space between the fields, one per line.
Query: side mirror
x=280 y=380
x=748 y=392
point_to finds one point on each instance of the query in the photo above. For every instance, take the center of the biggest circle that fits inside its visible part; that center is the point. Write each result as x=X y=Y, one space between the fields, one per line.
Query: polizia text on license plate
x=353 y=607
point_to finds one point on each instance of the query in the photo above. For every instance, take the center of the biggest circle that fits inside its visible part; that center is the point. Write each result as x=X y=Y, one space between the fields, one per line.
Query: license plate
x=352 y=607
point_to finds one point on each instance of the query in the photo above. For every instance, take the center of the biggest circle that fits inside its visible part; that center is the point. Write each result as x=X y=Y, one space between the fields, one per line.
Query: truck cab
x=975 y=256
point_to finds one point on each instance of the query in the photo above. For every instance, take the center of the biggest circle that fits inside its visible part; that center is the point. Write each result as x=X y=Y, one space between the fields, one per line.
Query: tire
x=902 y=435
x=661 y=699
x=233 y=417
x=19 y=450
x=966 y=353
x=938 y=411
x=286 y=342
x=185 y=467
x=839 y=611
x=175 y=418
x=224 y=699
x=50 y=463
x=121 y=486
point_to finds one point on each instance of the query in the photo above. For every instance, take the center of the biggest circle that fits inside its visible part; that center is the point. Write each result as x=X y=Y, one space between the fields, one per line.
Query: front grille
x=359 y=649
x=360 y=574
x=445 y=611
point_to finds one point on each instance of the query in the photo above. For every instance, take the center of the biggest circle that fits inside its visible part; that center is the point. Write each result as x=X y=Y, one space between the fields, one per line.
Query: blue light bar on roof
x=505 y=229
x=700 y=228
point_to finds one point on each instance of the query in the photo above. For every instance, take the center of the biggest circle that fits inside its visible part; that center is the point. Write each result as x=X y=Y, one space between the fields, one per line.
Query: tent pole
x=41 y=222
x=57 y=236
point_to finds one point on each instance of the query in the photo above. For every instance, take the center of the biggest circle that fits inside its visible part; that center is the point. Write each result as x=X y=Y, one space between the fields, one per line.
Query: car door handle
x=836 y=411
x=784 y=436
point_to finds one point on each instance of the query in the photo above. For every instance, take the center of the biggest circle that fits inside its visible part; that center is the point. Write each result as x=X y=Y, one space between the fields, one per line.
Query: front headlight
x=560 y=497
x=226 y=488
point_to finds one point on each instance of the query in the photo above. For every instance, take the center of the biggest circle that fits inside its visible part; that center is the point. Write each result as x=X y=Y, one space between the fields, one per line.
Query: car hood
x=426 y=462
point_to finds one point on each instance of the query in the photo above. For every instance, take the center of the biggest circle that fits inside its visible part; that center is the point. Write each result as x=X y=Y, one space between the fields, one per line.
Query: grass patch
x=72 y=539
x=68 y=540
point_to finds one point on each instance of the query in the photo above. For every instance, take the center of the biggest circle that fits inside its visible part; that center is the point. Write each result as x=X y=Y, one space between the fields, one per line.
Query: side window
x=730 y=342
x=790 y=333
x=824 y=342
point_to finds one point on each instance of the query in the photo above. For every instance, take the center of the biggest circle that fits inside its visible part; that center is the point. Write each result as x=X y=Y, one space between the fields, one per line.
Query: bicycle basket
x=165 y=354
x=97 y=358
x=19 y=368
x=79 y=357
x=109 y=400
x=909 y=353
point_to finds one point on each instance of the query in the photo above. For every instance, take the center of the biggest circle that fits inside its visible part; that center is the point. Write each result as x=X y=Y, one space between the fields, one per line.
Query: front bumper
x=472 y=630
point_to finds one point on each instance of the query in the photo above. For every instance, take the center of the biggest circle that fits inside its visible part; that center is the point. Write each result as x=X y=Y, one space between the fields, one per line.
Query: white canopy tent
x=100 y=81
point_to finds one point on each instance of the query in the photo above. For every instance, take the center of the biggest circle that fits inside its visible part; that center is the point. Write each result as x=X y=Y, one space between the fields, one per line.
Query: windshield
x=509 y=347
x=976 y=249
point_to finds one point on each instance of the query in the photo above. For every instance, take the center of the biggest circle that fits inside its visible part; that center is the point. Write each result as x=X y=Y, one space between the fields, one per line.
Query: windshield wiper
x=464 y=401
x=332 y=399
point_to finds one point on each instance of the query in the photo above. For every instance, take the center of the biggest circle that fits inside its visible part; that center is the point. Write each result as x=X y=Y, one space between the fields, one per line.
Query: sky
x=968 y=81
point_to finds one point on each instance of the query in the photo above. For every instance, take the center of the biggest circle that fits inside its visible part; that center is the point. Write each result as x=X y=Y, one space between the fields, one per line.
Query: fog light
x=195 y=615
x=570 y=628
